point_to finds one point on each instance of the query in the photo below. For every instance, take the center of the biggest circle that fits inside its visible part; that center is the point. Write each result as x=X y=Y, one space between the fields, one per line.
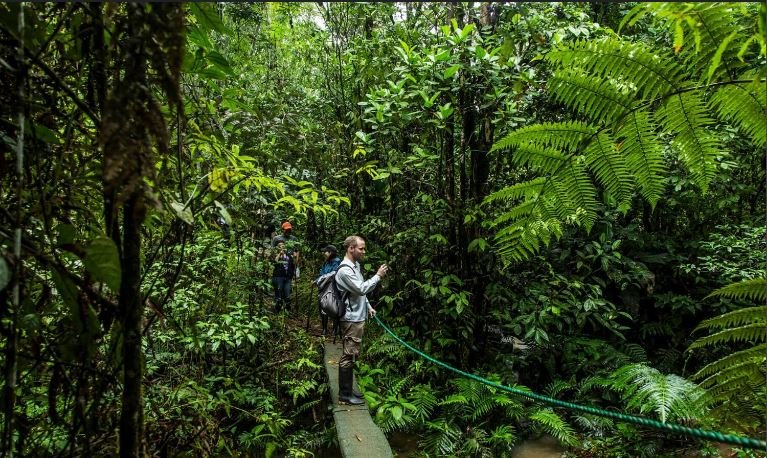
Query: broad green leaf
x=43 y=133
x=717 y=59
x=451 y=71
x=103 y=262
x=199 y=37
x=466 y=30
x=185 y=214
x=207 y=17
x=219 y=62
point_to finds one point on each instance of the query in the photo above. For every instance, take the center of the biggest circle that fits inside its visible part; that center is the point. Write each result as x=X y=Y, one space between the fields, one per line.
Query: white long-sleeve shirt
x=351 y=280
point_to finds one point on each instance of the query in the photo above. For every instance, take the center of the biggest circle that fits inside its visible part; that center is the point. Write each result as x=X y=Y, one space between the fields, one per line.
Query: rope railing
x=731 y=439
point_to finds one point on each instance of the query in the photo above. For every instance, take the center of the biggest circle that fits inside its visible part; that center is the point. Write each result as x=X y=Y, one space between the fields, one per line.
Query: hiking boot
x=345 y=382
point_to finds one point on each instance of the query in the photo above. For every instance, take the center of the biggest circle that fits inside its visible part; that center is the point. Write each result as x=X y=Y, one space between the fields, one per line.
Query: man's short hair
x=351 y=241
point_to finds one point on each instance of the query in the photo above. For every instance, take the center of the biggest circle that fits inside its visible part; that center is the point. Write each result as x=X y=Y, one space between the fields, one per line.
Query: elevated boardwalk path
x=358 y=436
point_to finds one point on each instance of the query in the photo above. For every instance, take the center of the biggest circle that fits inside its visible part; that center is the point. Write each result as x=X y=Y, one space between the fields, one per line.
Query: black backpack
x=332 y=298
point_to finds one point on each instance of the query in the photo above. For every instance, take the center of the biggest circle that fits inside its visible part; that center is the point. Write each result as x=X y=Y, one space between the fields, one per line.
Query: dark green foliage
x=630 y=91
x=670 y=397
x=736 y=382
x=469 y=143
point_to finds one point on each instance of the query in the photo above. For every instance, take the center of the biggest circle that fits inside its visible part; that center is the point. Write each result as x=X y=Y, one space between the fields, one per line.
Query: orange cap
x=286 y=225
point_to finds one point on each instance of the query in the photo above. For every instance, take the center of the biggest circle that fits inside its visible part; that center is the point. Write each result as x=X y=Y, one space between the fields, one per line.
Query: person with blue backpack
x=330 y=265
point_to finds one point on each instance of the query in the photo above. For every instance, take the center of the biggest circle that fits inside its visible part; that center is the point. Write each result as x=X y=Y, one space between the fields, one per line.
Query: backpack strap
x=341 y=265
x=344 y=291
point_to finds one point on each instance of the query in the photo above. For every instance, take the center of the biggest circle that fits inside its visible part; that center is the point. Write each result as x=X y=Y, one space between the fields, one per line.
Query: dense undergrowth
x=570 y=197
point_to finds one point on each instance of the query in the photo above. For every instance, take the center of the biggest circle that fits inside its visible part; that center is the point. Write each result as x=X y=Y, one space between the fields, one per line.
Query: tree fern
x=621 y=89
x=564 y=136
x=747 y=333
x=647 y=390
x=539 y=158
x=704 y=32
x=644 y=157
x=649 y=72
x=737 y=379
x=744 y=105
x=609 y=166
x=751 y=355
x=597 y=97
x=525 y=189
x=687 y=115
x=754 y=289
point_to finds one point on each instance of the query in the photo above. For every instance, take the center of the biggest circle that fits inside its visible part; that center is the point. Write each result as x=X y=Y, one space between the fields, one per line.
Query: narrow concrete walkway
x=358 y=436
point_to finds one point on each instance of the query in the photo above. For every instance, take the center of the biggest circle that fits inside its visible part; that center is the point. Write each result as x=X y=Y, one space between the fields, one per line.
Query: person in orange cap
x=285 y=265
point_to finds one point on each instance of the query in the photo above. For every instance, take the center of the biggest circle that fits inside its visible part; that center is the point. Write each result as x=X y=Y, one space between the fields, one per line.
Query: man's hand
x=383 y=270
x=372 y=312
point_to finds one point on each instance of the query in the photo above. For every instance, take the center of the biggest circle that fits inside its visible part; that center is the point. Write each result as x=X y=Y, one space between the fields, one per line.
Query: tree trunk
x=479 y=129
x=131 y=313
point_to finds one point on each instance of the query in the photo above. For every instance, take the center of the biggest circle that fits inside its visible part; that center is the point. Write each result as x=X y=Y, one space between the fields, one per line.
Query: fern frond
x=754 y=289
x=553 y=424
x=727 y=378
x=747 y=333
x=594 y=381
x=556 y=387
x=742 y=391
x=454 y=399
x=541 y=159
x=750 y=355
x=703 y=32
x=716 y=22
x=748 y=369
x=740 y=317
x=744 y=105
x=609 y=166
x=597 y=98
x=385 y=346
x=594 y=424
x=524 y=209
x=503 y=435
x=644 y=155
x=660 y=328
x=646 y=389
x=635 y=352
x=561 y=136
x=573 y=181
x=442 y=438
x=687 y=115
x=525 y=189
x=424 y=400
x=396 y=388
x=482 y=407
x=650 y=73
x=524 y=238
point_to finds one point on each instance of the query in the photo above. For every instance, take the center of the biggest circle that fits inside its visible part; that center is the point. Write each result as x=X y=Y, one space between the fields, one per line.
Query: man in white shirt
x=358 y=309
